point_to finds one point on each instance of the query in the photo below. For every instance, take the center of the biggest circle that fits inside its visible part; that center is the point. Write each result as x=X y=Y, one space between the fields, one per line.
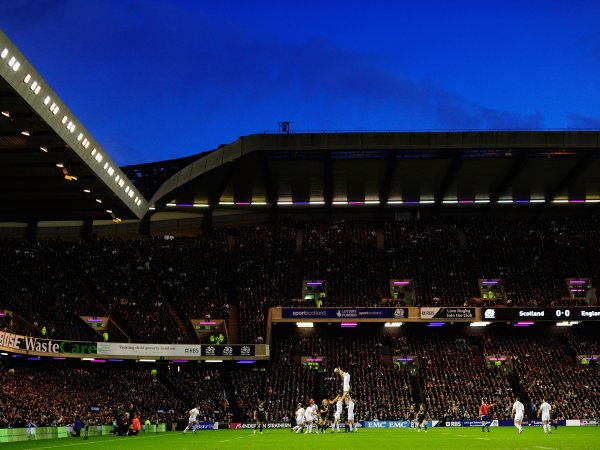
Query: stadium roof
x=396 y=169
x=49 y=160
x=53 y=169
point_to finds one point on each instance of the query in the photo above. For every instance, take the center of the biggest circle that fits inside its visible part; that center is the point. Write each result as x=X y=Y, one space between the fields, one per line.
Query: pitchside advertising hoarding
x=540 y=314
x=28 y=344
x=344 y=313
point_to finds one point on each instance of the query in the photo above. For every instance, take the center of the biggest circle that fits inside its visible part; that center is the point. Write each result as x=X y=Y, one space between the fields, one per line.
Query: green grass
x=379 y=439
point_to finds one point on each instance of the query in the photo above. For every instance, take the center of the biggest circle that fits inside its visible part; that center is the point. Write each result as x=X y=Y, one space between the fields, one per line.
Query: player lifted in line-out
x=345 y=376
x=422 y=418
x=260 y=417
x=299 y=419
x=484 y=409
x=544 y=411
x=517 y=413
x=324 y=415
x=193 y=420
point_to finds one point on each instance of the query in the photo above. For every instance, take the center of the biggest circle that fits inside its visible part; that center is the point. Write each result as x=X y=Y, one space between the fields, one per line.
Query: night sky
x=158 y=79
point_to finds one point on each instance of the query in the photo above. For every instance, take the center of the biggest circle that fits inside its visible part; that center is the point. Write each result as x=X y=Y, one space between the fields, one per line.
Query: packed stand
x=282 y=386
x=56 y=396
x=119 y=276
x=455 y=380
x=546 y=369
x=575 y=244
x=345 y=255
x=204 y=388
x=193 y=272
x=381 y=390
x=516 y=252
x=429 y=253
x=265 y=275
x=41 y=282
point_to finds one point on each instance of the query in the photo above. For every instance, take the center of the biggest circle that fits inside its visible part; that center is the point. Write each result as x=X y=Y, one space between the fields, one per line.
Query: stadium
x=442 y=269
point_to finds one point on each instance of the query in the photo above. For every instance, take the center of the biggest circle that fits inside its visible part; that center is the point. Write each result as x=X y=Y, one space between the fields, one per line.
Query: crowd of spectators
x=204 y=388
x=455 y=379
x=117 y=274
x=449 y=376
x=547 y=370
x=517 y=252
x=138 y=282
x=55 y=395
x=41 y=283
x=194 y=273
x=430 y=253
x=345 y=255
x=265 y=275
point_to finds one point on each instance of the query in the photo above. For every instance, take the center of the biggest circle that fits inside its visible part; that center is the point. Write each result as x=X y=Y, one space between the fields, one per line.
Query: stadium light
x=6 y=114
x=479 y=324
x=44 y=149
x=25 y=133
x=4 y=53
x=214 y=360
x=393 y=324
x=147 y=360
x=305 y=324
x=436 y=324
x=349 y=324
x=4 y=354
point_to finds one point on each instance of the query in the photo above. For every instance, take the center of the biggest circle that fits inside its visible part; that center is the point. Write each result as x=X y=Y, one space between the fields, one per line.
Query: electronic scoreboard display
x=316 y=363
x=541 y=314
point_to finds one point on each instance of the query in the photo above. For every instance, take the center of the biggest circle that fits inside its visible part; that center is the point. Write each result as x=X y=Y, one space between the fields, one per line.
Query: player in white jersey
x=345 y=382
x=517 y=413
x=193 y=420
x=299 y=418
x=350 y=405
x=337 y=415
x=308 y=418
x=544 y=411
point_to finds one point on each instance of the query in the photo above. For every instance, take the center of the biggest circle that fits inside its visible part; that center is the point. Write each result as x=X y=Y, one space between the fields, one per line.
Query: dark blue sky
x=158 y=79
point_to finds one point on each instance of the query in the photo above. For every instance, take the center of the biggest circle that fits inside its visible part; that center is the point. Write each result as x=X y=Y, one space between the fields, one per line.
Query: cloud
x=583 y=121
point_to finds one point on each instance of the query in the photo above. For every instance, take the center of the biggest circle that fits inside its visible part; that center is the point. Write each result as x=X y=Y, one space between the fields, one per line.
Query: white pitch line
x=87 y=443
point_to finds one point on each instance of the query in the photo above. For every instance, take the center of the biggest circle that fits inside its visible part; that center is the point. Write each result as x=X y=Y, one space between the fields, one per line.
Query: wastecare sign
x=37 y=346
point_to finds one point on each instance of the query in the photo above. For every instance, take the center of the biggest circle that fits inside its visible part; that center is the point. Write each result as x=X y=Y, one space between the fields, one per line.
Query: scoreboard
x=316 y=363
x=540 y=314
